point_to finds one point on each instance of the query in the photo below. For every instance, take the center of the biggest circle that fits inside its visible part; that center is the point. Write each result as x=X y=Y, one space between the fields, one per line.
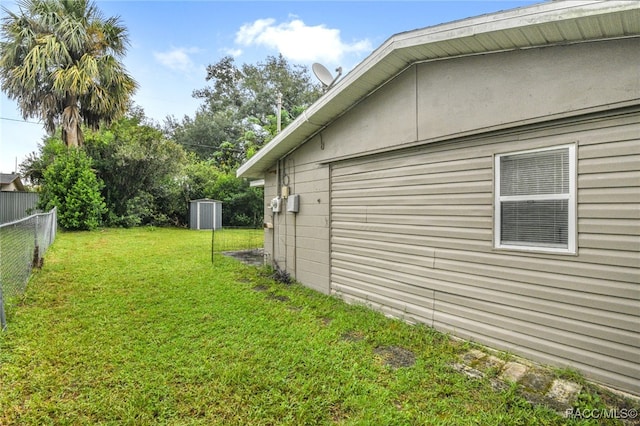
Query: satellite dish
x=324 y=75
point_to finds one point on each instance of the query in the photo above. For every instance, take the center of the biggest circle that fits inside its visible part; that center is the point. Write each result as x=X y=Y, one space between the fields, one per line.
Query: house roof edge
x=564 y=22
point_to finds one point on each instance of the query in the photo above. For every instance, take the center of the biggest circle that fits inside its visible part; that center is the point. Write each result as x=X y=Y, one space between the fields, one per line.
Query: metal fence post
x=3 y=318
x=213 y=239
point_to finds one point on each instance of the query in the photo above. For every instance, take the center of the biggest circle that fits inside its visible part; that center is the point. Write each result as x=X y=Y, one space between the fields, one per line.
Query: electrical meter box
x=293 y=203
x=276 y=205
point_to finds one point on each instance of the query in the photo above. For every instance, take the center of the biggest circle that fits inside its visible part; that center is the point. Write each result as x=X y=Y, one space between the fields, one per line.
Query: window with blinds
x=535 y=200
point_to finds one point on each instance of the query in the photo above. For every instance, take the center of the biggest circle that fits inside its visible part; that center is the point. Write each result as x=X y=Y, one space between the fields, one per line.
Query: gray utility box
x=205 y=214
x=293 y=203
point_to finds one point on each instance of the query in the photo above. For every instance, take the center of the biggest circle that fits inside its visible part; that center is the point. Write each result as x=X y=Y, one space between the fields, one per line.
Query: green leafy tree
x=33 y=167
x=237 y=117
x=140 y=169
x=238 y=112
x=206 y=132
x=265 y=80
x=241 y=203
x=60 y=60
x=200 y=179
x=71 y=185
x=251 y=91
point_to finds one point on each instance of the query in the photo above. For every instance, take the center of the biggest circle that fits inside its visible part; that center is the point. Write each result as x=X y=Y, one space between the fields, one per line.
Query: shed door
x=378 y=255
x=205 y=215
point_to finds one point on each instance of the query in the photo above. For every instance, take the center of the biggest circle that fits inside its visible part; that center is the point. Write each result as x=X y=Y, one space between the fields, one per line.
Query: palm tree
x=59 y=59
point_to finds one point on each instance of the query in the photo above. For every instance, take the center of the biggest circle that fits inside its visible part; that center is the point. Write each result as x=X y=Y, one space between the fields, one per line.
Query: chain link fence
x=22 y=246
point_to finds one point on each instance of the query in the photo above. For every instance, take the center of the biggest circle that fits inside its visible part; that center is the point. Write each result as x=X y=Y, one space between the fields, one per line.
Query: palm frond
x=58 y=59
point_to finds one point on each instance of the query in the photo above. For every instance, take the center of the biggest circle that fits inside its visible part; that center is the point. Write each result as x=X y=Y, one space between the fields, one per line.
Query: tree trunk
x=71 y=131
x=72 y=136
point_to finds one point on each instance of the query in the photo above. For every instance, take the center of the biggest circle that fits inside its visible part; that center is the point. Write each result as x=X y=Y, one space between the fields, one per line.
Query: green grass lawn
x=139 y=327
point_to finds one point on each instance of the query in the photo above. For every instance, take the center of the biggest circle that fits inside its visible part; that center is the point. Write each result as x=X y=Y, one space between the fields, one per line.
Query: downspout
x=273 y=241
x=276 y=227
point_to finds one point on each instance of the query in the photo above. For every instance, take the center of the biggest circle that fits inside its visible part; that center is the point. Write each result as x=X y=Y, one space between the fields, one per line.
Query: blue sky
x=172 y=42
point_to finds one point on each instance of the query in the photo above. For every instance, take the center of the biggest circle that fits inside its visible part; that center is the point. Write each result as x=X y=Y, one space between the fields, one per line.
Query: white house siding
x=411 y=234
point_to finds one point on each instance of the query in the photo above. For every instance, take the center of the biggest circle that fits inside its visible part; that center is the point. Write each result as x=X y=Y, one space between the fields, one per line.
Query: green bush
x=71 y=185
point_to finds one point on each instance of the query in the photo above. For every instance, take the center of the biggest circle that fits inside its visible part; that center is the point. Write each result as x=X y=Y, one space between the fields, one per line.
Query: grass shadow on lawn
x=138 y=327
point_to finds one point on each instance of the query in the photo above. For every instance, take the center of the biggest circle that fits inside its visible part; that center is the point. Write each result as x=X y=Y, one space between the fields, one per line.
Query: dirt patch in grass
x=396 y=356
x=338 y=414
x=253 y=257
x=260 y=287
x=278 y=297
x=353 y=336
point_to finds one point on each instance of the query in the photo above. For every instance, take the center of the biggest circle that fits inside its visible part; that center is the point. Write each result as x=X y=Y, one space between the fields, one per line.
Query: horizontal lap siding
x=411 y=234
x=306 y=248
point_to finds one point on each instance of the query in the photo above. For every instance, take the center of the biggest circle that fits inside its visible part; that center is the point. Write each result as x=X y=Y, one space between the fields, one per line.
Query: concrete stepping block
x=472 y=356
x=490 y=362
x=513 y=371
x=564 y=391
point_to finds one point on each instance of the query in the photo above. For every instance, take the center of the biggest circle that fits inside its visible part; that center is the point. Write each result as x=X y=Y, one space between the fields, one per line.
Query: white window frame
x=571 y=197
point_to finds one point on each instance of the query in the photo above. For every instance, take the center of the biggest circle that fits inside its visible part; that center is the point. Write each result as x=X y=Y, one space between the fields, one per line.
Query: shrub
x=72 y=186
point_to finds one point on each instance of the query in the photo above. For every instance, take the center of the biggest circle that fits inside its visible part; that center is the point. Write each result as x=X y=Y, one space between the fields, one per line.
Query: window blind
x=536 y=173
x=534 y=198
x=535 y=222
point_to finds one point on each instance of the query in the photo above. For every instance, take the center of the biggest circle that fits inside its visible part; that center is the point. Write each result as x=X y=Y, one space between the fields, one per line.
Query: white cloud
x=232 y=52
x=249 y=32
x=300 y=42
x=177 y=59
